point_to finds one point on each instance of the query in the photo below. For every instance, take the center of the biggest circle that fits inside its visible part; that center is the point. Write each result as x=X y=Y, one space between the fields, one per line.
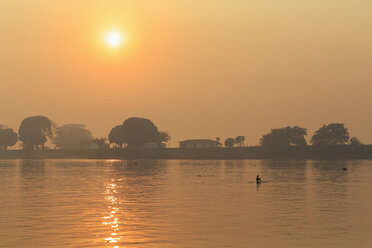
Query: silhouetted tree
x=138 y=131
x=275 y=142
x=354 y=141
x=279 y=140
x=101 y=142
x=240 y=140
x=229 y=142
x=7 y=137
x=71 y=135
x=296 y=135
x=331 y=134
x=34 y=131
x=164 y=137
x=116 y=136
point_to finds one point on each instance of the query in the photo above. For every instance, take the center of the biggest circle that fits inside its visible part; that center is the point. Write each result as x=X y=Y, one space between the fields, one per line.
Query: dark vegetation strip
x=256 y=152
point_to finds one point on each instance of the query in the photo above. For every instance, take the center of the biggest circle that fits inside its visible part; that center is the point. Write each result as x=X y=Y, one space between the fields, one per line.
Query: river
x=185 y=203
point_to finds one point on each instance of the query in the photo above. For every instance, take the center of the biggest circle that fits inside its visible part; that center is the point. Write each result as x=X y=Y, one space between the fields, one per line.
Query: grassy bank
x=307 y=152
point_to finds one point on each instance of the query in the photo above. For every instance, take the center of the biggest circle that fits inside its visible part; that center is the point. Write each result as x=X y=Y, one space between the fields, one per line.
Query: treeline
x=280 y=139
x=35 y=131
x=134 y=132
x=283 y=140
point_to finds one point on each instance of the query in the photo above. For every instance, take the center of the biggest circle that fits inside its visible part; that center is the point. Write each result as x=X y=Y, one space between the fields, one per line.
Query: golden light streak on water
x=111 y=212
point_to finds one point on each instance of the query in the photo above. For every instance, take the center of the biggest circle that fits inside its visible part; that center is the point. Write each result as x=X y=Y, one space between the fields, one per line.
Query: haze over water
x=112 y=203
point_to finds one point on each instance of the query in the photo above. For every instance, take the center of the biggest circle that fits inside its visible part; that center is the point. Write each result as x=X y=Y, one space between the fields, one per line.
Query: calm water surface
x=111 y=203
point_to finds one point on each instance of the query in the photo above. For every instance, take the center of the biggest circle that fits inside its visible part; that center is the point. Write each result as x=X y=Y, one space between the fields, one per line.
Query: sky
x=197 y=69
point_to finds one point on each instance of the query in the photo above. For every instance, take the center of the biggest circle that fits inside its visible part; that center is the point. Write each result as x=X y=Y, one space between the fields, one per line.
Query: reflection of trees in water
x=32 y=177
x=288 y=164
x=329 y=164
x=306 y=196
x=235 y=169
x=35 y=198
x=330 y=171
x=8 y=199
x=331 y=201
x=329 y=179
x=284 y=171
x=8 y=169
x=283 y=195
x=32 y=173
x=287 y=177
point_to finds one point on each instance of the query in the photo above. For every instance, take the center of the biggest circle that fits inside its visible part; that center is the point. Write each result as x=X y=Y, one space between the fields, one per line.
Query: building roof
x=194 y=141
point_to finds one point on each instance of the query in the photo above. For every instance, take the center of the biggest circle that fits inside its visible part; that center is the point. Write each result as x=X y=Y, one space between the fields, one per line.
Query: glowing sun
x=113 y=38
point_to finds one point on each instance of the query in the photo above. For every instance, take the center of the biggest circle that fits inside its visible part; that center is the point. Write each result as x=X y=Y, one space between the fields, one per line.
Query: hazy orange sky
x=198 y=69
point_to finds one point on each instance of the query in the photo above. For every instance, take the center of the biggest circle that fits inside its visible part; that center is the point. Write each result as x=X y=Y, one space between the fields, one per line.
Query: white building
x=199 y=143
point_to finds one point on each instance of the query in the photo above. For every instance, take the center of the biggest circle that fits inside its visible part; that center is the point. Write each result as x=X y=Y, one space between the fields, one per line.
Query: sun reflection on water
x=110 y=219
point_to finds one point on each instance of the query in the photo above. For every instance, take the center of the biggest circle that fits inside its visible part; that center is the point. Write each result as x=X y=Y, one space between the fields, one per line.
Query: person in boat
x=258 y=179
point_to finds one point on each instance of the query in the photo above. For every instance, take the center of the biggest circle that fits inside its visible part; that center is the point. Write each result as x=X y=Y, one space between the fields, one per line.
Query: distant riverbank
x=255 y=152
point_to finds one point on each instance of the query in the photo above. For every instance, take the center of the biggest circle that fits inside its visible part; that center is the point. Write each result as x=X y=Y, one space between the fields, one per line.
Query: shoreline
x=255 y=152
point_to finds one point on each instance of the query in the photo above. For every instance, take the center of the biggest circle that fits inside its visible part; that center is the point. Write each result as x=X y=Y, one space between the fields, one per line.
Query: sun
x=113 y=38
